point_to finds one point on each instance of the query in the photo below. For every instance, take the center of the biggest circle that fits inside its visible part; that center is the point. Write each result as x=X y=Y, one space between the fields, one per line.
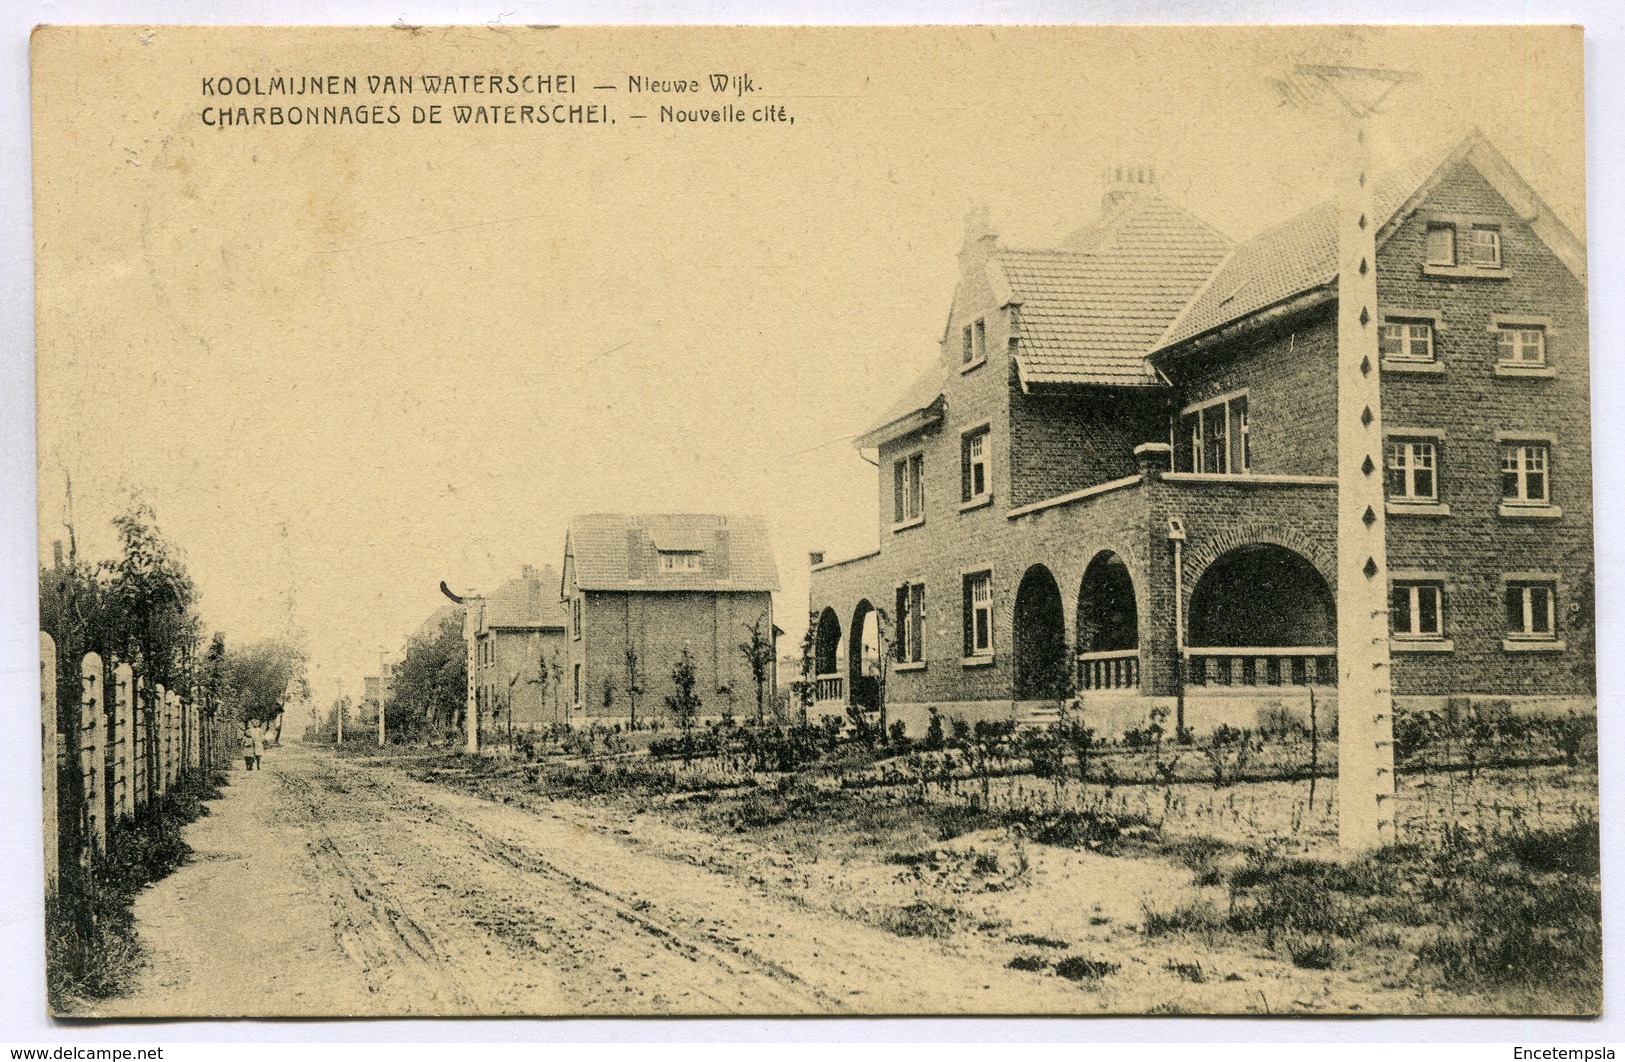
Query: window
x=908 y=484
x=1524 y=477
x=1441 y=245
x=979 y=346
x=575 y=617
x=911 y=623
x=968 y=353
x=1531 y=610
x=1484 y=247
x=979 y=614
x=1520 y=344
x=973 y=479
x=1401 y=340
x=1416 y=610
x=576 y=673
x=1412 y=470
x=679 y=561
x=1215 y=438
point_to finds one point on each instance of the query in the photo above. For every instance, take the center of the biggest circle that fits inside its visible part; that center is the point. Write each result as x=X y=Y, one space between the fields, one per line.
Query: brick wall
x=1468 y=403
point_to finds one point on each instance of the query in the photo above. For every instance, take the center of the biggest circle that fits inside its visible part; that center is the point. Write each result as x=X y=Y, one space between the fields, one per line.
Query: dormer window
x=679 y=561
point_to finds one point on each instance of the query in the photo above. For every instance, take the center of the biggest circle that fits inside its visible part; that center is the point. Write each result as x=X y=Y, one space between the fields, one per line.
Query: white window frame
x=1408 y=339
x=1474 y=243
x=1241 y=419
x=1510 y=345
x=978 y=635
x=1521 y=454
x=908 y=490
x=1415 y=590
x=1410 y=450
x=910 y=632
x=969 y=463
x=1523 y=585
x=670 y=558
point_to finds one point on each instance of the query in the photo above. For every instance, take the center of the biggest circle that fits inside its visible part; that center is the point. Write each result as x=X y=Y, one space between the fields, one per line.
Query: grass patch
x=1078 y=968
x=920 y=919
x=1033 y=940
x=1201 y=915
x=1029 y=963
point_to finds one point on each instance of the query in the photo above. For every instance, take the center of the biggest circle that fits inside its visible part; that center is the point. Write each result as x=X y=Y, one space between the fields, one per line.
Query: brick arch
x=1070 y=576
x=1201 y=557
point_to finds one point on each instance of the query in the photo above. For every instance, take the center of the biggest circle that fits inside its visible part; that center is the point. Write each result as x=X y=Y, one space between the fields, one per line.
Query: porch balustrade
x=829 y=688
x=1261 y=666
x=1118 y=669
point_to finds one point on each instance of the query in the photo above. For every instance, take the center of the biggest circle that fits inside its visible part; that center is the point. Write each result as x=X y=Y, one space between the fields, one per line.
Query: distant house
x=660 y=584
x=1120 y=476
x=516 y=633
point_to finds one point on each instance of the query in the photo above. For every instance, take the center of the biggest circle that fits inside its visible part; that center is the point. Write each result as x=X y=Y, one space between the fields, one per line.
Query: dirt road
x=323 y=887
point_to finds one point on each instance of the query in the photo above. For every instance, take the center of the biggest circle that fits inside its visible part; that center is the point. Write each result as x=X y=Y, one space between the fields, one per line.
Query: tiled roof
x=522 y=602
x=1091 y=311
x=615 y=551
x=1296 y=256
x=925 y=390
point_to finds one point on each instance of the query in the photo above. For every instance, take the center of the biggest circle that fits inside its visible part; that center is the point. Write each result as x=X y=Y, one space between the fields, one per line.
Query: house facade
x=660 y=584
x=1120 y=477
x=517 y=634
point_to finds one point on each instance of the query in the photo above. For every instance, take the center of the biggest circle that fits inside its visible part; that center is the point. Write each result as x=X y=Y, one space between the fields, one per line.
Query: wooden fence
x=109 y=762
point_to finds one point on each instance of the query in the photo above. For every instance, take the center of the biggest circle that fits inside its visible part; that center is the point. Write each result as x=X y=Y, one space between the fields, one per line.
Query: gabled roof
x=1091 y=310
x=528 y=604
x=1300 y=255
x=616 y=551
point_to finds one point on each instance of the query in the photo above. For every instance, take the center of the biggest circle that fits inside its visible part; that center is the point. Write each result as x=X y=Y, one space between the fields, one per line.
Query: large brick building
x=518 y=631
x=660 y=584
x=1122 y=469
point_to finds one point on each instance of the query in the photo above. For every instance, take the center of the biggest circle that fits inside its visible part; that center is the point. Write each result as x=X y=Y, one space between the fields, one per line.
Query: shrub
x=921 y=919
x=1030 y=963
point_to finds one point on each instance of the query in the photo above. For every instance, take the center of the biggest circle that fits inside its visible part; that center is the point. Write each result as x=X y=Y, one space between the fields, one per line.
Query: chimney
x=529 y=573
x=815 y=558
x=1125 y=181
x=980 y=240
x=721 y=562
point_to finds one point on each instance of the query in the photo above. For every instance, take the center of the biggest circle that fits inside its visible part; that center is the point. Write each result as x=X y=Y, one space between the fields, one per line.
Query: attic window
x=679 y=561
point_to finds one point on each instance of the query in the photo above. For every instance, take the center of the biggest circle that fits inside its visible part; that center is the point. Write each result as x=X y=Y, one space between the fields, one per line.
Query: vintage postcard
x=781 y=521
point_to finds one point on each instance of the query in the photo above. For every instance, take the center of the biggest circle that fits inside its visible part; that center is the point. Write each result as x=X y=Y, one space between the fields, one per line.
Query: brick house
x=1121 y=471
x=660 y=584
x=518 y=629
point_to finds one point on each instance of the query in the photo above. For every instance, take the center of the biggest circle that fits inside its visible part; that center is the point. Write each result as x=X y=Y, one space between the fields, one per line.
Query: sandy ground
x=324 y=887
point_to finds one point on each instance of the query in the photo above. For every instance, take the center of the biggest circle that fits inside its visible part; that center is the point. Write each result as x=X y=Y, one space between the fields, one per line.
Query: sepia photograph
x=679 y=521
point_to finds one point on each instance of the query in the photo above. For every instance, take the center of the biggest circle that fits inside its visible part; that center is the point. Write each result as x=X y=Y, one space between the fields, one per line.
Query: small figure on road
x=253 y=744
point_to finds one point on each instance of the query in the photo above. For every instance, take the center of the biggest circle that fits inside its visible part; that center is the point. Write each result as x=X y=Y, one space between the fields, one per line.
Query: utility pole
x=380 y=696
x=471 y=626
x=1365 y=768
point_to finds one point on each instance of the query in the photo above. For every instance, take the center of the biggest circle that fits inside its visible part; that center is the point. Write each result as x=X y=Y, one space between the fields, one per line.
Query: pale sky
x=346 y=363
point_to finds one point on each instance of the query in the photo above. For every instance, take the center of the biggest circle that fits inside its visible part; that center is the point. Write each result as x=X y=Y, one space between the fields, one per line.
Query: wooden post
x=93 y=755
x=1365 y=770
x=48 y=754
x=123 y=746
x=160 y=740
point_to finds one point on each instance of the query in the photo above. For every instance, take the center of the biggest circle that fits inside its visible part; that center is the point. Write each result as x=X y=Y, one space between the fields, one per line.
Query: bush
x=920 y=919
x=1029 y=963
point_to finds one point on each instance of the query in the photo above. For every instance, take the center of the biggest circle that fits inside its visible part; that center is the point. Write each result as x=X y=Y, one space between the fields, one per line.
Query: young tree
x=683 y=703
x=805 y=688
x=261 y=679
x=555 y=669
x=634 y=682
x=758 y=649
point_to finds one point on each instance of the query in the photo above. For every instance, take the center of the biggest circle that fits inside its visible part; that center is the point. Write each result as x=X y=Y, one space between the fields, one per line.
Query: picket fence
x=111 y=765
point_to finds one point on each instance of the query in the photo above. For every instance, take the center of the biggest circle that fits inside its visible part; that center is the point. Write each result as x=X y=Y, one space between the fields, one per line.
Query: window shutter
x=634 y=553
x=1442 y=245
x=969 y=618
x=897 y=490
x=964 y=468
